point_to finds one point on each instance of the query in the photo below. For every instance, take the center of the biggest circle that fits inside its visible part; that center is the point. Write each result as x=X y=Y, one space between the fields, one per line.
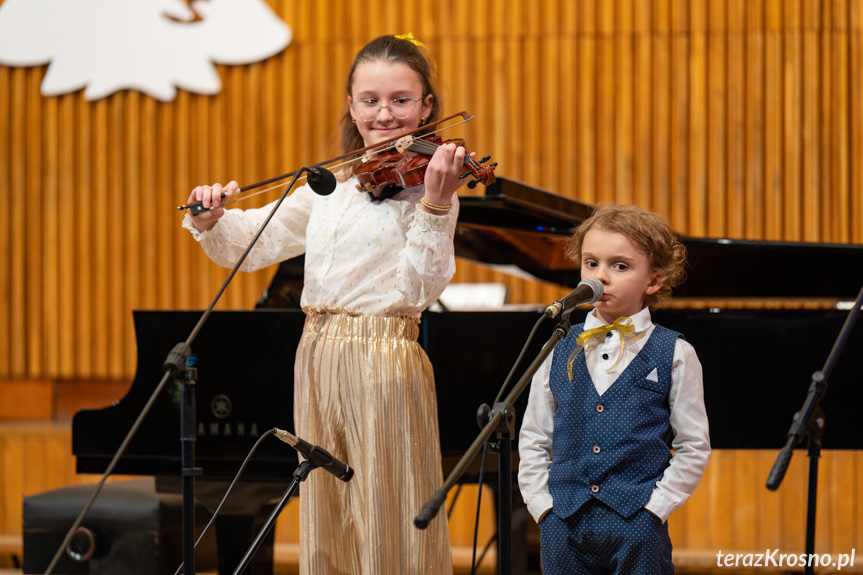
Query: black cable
x=228 y=492
x=519 y=358
x=473 y=563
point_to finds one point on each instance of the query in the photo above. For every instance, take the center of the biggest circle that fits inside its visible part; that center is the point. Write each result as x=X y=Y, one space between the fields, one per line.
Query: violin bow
x=379 y=147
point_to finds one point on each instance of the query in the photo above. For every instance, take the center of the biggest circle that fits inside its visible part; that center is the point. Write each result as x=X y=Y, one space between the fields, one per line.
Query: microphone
x=316 y=456
x=321 y=180
x=587 y=291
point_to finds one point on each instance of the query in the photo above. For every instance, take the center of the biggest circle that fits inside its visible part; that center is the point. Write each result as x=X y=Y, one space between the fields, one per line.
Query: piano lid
x=518 y=224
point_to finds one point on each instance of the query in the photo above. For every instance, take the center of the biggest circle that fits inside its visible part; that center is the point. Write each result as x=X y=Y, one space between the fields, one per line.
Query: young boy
x=596 y=470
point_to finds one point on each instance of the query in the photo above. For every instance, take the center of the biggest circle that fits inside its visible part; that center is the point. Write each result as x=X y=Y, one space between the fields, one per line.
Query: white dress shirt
x=368 y=257
x=690 y=434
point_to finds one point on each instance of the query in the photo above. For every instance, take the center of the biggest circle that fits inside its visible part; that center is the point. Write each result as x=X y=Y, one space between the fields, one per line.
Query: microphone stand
x=810 y=421
x=177 y=365
x=300 y=473
x=500 y=420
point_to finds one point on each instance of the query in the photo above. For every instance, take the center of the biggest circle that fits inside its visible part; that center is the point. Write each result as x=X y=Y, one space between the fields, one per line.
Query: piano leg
x=243 y=515
x=524 y=549
x=518 y=535
x=234 y=536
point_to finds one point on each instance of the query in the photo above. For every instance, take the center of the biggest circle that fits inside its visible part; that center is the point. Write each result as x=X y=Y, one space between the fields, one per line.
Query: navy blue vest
x=613 y=447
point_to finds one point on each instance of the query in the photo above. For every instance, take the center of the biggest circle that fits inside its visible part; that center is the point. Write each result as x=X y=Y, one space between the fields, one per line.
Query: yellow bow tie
x=624 y=327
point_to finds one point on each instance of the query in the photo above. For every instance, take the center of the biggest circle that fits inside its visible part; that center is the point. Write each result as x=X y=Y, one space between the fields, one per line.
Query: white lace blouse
x=368 y=257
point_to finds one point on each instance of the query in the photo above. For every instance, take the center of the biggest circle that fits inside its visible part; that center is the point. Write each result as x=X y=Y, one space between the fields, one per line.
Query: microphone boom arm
x=501 y=414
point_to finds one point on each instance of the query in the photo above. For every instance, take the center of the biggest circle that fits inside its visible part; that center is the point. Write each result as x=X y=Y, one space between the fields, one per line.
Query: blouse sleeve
x=283 y=238
x=427 y=263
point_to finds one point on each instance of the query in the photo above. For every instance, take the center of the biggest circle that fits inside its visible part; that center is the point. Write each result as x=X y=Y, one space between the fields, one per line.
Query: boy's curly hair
x=647 y=230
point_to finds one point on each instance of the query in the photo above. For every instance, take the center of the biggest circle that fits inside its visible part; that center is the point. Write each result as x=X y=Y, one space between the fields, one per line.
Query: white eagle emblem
x=153 y=46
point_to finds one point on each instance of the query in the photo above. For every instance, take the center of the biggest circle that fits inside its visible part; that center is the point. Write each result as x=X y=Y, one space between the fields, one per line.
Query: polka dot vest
x=612 y=447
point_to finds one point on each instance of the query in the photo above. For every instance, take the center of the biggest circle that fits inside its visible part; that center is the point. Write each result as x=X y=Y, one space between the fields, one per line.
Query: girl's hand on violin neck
x=442 y=175
x=211 y=196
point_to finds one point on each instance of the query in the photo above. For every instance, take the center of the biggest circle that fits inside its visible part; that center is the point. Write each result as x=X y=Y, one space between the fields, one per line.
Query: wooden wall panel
x=855 y=82
x=36 y=457
x=731 y=511
x=735 y=141
x=6 y=295
x=755 y=122
x=734 y=118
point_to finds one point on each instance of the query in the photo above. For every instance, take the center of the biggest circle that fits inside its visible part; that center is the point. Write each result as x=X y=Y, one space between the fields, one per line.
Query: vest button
x=594 y=488
x=604 y=356
x=600 y=408
x=596 y=449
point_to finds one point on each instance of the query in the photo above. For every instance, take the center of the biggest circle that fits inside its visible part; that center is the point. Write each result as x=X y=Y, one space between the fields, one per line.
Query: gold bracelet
x=434 y=207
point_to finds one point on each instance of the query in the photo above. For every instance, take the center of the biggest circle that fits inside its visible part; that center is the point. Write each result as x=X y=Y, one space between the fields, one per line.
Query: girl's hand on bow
x=211 y=197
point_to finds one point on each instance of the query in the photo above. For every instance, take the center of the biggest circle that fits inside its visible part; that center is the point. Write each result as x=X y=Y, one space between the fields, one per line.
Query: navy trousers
x=598 y=541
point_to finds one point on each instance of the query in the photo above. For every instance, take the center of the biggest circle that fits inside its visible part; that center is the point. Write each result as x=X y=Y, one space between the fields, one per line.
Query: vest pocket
x=654 y=386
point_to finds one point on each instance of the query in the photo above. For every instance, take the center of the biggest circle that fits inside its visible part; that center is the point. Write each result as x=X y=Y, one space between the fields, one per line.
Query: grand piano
x=757 y=362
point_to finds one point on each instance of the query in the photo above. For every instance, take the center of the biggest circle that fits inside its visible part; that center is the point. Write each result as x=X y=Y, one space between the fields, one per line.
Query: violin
x=404 y=166
x=411 y=169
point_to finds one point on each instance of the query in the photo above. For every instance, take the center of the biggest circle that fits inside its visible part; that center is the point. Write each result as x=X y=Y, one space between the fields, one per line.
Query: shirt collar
x=640 y=321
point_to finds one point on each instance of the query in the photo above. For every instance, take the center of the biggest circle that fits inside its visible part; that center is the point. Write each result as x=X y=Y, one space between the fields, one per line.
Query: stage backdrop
x=735 y=118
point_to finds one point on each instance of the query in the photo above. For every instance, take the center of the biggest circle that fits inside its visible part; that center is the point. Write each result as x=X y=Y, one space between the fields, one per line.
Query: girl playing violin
x=364 y=388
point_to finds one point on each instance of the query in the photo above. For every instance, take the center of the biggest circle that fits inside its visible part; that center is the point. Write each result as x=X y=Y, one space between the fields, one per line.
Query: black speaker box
x=130 y=529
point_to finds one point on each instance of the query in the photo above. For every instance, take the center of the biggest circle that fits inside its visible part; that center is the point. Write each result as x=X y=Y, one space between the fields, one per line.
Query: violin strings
x=423 y=147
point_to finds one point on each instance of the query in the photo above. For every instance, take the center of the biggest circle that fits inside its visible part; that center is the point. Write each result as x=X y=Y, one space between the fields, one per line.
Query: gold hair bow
x=412 y=39
x=624 y=327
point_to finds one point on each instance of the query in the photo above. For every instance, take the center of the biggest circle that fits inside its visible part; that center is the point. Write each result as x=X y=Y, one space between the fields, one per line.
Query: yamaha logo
x=221 y=406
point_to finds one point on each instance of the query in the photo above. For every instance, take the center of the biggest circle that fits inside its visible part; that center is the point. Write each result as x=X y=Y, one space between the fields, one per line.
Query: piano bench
x=130 y=529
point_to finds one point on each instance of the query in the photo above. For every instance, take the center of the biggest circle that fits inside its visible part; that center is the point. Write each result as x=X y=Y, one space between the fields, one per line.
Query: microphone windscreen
x=321 y=180
x=595 y=286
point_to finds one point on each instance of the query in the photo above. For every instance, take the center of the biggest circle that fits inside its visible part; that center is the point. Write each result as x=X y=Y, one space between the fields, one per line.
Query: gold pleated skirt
x=364 y=391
